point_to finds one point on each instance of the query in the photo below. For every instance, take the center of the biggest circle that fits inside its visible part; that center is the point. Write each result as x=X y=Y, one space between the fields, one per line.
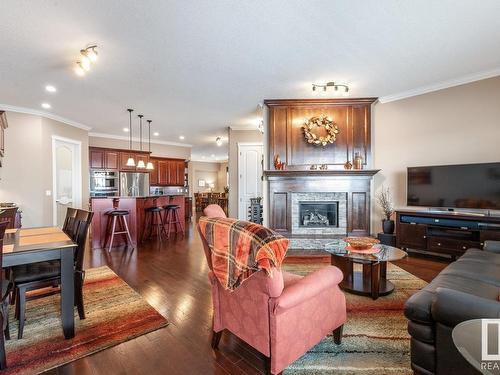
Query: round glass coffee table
x=468 y=339
x=372 y=280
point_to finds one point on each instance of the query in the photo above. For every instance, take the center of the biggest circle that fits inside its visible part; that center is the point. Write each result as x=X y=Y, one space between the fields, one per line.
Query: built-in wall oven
x=104 y=183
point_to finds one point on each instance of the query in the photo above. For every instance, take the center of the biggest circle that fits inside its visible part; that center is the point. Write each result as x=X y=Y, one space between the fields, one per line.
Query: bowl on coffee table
x=361 y=244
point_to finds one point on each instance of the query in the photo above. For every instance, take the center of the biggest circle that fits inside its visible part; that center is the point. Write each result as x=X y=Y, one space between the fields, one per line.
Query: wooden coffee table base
x=370 y=282
x=357 y=285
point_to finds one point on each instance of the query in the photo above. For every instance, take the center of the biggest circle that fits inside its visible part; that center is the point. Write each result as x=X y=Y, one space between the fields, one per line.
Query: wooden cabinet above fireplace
x=286 y=137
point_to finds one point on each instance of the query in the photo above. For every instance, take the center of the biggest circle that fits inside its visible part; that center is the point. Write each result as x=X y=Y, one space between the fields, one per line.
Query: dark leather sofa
x=466 y=289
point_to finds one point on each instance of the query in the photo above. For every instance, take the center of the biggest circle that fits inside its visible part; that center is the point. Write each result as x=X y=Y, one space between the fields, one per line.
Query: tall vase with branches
x=384 y=200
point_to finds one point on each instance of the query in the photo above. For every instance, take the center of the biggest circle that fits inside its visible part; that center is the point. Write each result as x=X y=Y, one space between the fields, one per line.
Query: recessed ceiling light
x=46 y=105
x=50 y=88
x=203 y=157
x=181 y=137
x=125 y=130
x=213 y=155
x=156 y=134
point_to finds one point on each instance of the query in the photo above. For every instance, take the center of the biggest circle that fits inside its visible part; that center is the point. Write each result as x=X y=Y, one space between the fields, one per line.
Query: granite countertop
x=145 y=196
x=5 y=206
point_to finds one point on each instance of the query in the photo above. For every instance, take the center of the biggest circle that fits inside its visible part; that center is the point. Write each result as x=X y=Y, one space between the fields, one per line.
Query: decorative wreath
x=320 y=122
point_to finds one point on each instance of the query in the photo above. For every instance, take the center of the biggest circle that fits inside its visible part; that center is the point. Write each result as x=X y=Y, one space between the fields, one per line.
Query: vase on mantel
x=388 y=226
x=358 y=161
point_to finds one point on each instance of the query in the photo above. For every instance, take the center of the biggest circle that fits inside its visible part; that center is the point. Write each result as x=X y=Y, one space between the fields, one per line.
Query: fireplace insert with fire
x=319 y=214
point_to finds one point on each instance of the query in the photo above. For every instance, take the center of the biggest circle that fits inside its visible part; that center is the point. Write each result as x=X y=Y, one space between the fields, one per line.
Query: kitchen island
x=135 y=220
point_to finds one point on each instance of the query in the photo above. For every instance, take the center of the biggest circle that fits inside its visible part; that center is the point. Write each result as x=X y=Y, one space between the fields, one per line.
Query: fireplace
x=322 y=214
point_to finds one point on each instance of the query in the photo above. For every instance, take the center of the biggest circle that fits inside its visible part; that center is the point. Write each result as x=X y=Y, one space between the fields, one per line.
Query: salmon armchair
x=282 y=316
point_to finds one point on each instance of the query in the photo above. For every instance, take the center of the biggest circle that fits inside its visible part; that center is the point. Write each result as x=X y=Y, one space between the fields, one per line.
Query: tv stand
x=444 y=233
x=453 y=212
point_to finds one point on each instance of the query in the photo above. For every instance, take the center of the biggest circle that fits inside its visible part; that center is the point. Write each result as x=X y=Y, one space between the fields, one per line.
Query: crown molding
x=35 y=112
x=199 y=160
x=441 y=85
x=318 y=101
x=125 y=138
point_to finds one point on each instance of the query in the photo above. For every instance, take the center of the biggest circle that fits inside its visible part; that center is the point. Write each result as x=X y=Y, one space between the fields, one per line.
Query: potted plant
x=384 y=200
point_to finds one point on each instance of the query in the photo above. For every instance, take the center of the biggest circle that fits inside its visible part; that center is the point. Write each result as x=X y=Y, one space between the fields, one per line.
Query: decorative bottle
x=358 y=161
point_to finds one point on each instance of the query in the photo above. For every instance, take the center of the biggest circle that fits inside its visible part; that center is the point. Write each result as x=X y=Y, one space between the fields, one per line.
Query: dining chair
x=45 y=274
x=68 y=221
x=9 y=215
x=4 y=310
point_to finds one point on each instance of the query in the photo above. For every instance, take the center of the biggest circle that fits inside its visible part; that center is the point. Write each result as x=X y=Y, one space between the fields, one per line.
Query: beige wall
x=27 y=166
x=235 y=137
x=450 y=126
x=207 y=171
x=160 y=150
x=222 y=176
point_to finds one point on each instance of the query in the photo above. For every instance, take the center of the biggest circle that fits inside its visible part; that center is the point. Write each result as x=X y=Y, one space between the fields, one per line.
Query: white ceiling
x=195 y=67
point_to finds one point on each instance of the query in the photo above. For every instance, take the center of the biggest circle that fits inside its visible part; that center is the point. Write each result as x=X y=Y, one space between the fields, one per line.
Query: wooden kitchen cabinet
x=123 y=161
x=124 y=155
x=153 y=174
x=111 y=159
x=144 y=158
x=103 y=159
x=96 y=158
x=170 y=176
x=167 y=172
x=163 y=177
x=180 y=172
x=114 y=159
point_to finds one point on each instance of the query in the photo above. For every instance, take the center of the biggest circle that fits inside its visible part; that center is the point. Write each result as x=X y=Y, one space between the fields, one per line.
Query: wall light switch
x=48 y=193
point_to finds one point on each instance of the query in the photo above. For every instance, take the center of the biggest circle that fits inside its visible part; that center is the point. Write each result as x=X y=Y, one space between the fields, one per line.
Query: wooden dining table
x=32 y=245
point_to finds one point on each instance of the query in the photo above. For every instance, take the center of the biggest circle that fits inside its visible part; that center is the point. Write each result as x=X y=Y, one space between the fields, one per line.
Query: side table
x=387 y=239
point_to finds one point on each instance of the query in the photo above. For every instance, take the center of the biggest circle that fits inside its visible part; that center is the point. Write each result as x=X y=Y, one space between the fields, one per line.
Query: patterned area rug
x=375 y=339
x=114 y=313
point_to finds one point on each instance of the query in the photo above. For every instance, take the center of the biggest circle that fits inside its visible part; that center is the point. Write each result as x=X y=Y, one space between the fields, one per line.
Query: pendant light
x=130 y=161
x=149 y=165
x=140 y=164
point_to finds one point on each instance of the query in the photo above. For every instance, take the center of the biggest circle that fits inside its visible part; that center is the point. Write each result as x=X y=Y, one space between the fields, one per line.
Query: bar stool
x=114 y=216
x=154 y=218
x=172 y=217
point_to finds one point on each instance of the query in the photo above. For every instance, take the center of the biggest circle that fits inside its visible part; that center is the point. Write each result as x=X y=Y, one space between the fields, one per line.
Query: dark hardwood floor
x=172 y=277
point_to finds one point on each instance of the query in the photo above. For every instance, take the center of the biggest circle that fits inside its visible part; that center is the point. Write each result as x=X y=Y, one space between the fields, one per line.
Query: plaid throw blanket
x=240 y=248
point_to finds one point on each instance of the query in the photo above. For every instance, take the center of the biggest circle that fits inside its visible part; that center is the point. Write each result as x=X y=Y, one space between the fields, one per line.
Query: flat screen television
x=475 y=186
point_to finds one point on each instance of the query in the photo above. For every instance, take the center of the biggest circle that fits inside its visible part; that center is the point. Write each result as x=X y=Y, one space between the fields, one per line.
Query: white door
x=66 y=177
x=250 y=160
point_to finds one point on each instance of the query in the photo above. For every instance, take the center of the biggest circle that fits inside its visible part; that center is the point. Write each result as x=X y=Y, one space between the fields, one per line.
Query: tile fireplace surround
x=340 y=198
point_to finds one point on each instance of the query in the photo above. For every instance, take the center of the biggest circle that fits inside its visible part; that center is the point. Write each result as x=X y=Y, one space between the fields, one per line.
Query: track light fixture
x=218 y=140
x=88 y=57
x=343 y=89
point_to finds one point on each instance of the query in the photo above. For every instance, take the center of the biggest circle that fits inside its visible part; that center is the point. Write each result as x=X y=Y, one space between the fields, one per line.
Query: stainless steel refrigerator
x=134 y=184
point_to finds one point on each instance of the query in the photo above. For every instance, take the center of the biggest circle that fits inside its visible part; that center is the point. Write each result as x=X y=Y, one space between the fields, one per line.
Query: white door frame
x=77 y=176
x=239 y=144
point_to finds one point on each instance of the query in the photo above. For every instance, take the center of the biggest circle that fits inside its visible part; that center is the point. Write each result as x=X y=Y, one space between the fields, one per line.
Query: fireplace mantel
x=356 y=184
x=273 y=174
